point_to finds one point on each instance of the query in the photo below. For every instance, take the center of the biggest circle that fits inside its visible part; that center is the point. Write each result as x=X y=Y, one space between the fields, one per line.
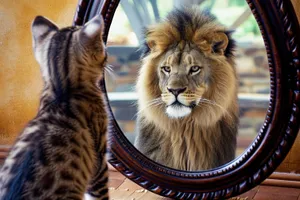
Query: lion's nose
x=176 y=91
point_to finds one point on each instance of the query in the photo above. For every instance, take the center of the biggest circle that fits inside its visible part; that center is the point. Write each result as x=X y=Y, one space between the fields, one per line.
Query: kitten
x=61 y=152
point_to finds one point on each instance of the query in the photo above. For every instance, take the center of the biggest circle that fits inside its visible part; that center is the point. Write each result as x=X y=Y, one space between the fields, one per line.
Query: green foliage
x=251 y=26
x=237 y=3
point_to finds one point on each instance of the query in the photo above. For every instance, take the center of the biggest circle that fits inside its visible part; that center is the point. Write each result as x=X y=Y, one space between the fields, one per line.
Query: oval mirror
x=264 y=151
x=124 y=48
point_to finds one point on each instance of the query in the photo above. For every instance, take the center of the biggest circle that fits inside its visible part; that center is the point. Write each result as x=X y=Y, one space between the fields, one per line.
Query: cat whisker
x=110 y=72
x=109 y=67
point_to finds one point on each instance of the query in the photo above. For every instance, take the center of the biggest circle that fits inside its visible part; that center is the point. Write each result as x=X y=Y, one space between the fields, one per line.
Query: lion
x=187 y=92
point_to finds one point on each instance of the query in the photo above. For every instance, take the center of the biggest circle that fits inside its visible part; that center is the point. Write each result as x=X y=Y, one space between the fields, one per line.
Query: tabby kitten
x=61 y=152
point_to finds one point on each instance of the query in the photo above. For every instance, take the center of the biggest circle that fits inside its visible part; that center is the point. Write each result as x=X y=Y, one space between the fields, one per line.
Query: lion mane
x=205 y=136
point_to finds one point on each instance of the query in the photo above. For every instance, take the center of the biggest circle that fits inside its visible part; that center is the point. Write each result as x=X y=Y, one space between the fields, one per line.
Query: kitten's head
x=69 y=55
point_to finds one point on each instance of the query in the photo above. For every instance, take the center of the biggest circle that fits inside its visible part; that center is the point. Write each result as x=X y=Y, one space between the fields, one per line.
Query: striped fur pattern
x=61 y=152
x=187 y=92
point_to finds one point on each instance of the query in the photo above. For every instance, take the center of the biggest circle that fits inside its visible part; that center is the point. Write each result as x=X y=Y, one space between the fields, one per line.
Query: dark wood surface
x=280 y=30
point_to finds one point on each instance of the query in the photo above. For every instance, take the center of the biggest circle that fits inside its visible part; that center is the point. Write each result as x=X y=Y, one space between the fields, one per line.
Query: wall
x=296 y=4
x=20 y=80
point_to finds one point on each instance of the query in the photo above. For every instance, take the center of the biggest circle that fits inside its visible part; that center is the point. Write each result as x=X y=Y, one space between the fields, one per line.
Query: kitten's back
x=59 y=151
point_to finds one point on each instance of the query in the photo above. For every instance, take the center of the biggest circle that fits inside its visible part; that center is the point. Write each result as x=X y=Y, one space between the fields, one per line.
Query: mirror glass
x=124 y=41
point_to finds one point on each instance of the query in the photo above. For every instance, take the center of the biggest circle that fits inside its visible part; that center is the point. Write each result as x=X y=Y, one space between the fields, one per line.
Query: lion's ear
x=150 y=38
x=219 y=43
x=151 y=44
x=212 y=43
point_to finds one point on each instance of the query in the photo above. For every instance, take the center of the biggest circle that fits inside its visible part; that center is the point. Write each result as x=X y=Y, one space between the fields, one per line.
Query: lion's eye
x=195 y=69
x=166 y=69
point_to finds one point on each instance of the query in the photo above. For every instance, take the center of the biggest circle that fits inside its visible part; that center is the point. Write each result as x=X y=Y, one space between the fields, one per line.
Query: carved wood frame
x=280 y=29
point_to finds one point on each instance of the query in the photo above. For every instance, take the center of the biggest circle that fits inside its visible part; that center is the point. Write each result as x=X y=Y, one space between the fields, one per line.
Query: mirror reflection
x=182 y=104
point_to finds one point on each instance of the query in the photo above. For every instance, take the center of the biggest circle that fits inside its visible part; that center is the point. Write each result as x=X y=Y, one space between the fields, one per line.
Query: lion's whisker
x=151 y=103
x=212 y=103
x=153 y=100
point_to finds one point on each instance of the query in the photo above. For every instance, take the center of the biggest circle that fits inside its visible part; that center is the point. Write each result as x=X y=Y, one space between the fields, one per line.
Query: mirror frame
x=280 y=29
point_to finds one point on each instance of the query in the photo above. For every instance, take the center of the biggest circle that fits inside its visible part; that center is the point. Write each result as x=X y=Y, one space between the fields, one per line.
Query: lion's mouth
x=178 y=103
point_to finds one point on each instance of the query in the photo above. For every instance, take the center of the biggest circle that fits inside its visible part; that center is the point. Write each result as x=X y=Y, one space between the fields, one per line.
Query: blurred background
x=126 y=34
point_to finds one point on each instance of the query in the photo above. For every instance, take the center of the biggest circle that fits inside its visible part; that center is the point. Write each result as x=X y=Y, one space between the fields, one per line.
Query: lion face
x=187 y=72
x=183 y=79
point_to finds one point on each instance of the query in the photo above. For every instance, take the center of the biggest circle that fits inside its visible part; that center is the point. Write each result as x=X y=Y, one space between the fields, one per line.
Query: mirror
x=281 y=34
x=124 y=41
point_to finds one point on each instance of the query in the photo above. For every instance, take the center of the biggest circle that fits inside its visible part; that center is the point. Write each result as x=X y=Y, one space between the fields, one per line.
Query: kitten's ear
x=93 y=29
x=41 y=27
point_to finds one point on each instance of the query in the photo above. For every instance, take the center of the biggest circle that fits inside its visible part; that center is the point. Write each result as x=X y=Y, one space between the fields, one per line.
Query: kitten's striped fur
x=61 y=152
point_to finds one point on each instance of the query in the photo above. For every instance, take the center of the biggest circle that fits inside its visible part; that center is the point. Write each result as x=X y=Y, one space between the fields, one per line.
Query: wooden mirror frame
x=280 y=29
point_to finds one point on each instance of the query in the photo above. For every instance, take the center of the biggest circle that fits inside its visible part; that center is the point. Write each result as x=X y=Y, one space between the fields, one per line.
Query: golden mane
x=199 y=140
x=189 y=25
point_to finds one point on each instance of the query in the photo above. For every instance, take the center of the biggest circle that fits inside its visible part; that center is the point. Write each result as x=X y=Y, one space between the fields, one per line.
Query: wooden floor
x=121 y=188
